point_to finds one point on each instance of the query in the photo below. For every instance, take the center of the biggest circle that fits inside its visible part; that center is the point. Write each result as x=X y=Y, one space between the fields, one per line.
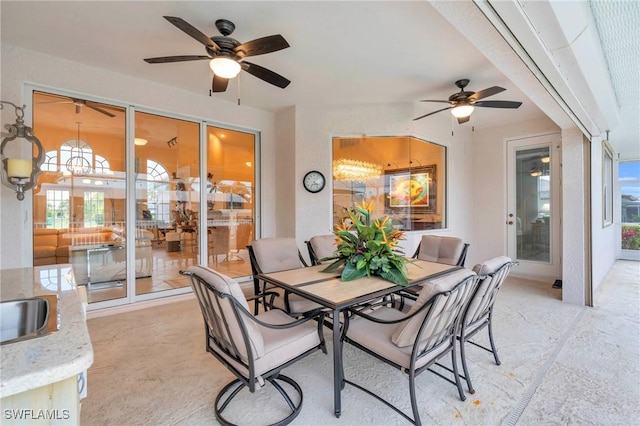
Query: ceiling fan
x=79 y=103
x=226 y=55
x=463 y=102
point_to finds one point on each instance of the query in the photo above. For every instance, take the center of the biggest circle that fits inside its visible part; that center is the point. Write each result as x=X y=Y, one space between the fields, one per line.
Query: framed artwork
x=414 y=188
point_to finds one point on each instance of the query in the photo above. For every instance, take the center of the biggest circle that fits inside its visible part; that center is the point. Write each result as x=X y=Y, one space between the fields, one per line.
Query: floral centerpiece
x=366 y=248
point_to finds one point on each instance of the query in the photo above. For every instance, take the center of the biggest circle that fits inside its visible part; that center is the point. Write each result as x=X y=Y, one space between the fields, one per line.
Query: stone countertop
x=40 y=361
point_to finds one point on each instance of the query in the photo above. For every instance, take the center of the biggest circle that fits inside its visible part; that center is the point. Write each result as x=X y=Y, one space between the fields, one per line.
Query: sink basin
x=24 y=319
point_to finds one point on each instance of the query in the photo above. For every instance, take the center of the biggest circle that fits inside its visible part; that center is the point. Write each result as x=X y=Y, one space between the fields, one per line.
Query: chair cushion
x=276 y=254
x=405 y=332
x=226 y=285
x=491 y=265
x=297 y=303
x=487 y=268
x=280 y=345
x=435 y=248
x=378 y=337
x=323 y=245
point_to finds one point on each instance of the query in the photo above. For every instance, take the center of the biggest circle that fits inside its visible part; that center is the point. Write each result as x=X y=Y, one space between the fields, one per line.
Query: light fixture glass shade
x=20 y=174
x=140 y=141
x=345 y=169
x=224 y=67
x=535 y=172
x=545 y=159
x=462 y=111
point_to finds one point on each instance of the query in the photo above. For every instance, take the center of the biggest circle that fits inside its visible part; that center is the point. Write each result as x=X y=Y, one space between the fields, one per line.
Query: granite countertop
x=36 y=362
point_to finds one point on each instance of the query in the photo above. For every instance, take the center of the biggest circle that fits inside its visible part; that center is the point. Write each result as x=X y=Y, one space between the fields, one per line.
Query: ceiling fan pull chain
x=238 y=89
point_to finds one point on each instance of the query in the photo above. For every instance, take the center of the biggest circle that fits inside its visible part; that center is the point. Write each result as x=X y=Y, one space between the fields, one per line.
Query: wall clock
x=314 y=181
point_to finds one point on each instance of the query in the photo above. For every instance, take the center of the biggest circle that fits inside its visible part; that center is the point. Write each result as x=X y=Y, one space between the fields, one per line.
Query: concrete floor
x=561 y=364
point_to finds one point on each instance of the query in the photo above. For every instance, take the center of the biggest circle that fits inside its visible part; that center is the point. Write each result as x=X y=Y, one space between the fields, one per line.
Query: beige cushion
x=478 y=304
x=280 y=345
x=378 y=337
x=226 y=285
x=405 y=332
x=434 y=248
x=323 y=245
x=491 y=266
x=276 y=254
x=44 y=251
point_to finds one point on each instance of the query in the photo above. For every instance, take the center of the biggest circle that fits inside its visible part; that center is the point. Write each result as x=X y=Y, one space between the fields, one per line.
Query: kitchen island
x=41 y=379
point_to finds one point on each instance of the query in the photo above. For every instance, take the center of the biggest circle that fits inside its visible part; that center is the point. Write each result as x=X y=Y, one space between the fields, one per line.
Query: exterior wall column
x=574 y=204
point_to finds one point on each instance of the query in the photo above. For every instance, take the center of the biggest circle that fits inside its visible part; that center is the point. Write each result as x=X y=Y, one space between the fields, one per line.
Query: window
x=607 y=185
x=158 y=196
x=403 y=176
x=93 y=208
x=57 y=209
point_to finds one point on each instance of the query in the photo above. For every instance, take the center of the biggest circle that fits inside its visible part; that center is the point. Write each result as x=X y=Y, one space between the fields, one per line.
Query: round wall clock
x=314 y=181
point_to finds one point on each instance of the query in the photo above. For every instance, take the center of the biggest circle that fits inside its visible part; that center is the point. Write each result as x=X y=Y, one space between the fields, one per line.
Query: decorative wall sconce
x=18 y=173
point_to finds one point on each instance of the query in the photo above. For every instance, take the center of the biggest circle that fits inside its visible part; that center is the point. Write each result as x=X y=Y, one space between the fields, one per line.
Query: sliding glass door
x=185 y=211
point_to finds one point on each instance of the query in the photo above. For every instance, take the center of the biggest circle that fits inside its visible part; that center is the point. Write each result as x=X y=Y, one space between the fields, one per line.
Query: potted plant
x=365 y=248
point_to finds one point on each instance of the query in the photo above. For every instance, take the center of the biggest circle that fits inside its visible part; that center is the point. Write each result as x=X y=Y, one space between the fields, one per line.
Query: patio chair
x=321 y=246
x=479 y=314
x=254 y=348
x=274 y=255
x=415 y=341
x=435 y=248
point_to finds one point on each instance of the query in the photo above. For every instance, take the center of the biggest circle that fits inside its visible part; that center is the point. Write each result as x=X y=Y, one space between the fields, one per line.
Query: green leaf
x=350 y=273
x=395 y=276
x=335 y=265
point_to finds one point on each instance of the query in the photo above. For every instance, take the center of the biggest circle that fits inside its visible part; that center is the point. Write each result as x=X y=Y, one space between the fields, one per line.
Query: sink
x=24 y=319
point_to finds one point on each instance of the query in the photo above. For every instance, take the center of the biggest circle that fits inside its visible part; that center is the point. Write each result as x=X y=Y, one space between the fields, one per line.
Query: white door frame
x=536 y=269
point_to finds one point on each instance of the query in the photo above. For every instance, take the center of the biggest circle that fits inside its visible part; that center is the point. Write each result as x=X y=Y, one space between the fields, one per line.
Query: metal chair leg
x=493 y=345
x=465 y=368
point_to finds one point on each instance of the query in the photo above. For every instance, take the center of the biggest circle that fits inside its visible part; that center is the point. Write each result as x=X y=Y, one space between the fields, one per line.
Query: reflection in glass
x=403 y=176
x=230 y=189
x=166 y=203
x=78 y=204
x=533 y=204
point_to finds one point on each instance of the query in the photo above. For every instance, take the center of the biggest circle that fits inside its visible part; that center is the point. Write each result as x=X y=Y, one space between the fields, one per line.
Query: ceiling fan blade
x=463 y=119
x=263 y=45
x=95 y=108
x=490 y=91
x=498 y=104
x=265 y=74
x=430 y=100
x=431 y=113
x=165 y=59
x=219 y=84
x=193 y=32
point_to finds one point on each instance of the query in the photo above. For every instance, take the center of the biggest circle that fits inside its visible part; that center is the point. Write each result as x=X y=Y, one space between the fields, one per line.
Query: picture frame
x=412 y=188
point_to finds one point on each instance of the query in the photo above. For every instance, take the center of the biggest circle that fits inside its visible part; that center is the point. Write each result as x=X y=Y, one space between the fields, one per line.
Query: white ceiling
x=341 y=52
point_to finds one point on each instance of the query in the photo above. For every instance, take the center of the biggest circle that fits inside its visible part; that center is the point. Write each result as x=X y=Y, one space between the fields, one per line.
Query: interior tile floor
x=166 y=268
x=561 y=364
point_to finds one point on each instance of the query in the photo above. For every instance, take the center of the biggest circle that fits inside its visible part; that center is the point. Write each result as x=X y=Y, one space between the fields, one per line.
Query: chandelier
x=345 y=169
x=78 y=164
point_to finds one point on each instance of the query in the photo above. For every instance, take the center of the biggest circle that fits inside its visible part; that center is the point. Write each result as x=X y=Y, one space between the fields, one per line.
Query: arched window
x=75 y=156
x=158 y=196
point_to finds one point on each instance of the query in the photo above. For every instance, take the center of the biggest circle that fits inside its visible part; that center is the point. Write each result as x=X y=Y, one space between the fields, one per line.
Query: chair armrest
x=312 y=315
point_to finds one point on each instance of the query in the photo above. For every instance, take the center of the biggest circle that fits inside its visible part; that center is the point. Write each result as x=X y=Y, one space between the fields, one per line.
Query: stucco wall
x=490 y=185
x=20 y=66
x=605 y=238
x=315 y=127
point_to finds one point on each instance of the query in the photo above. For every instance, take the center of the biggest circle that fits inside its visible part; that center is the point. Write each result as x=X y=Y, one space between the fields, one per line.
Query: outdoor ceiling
x=341 y=52
x=347 y=52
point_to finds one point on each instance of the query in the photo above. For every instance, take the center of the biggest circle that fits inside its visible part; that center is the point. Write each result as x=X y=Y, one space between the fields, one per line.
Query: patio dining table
x=328 y=290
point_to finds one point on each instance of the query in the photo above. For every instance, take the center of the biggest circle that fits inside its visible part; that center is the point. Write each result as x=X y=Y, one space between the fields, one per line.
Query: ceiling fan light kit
x=224 y=67
x=462 y=111
x=463 y=102
x=227 y=55
x=140 y=141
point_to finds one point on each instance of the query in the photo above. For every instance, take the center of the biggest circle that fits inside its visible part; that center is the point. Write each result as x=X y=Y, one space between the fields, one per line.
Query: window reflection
x=404 y=176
